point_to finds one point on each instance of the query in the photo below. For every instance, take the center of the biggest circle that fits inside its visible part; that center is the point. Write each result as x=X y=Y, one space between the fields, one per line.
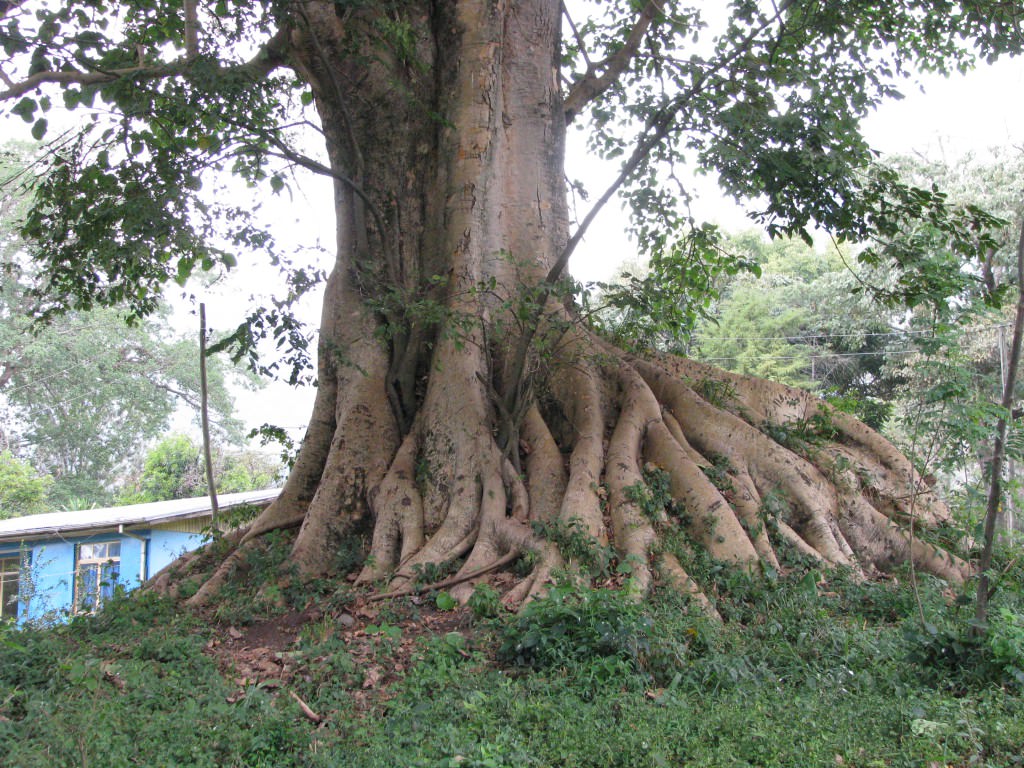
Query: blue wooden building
x=66 y=562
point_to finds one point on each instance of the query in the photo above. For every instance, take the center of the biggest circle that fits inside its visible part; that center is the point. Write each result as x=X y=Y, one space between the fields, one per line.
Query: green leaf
x=445 y=602
x=184 y=270
x=455 y=640
x=25 y=109
x=39 y=129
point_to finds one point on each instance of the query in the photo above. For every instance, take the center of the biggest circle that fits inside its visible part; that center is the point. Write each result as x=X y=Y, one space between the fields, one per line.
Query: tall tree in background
x=88 y=393
x=459 y=400
x=805 y=320
x=22 y=490
x=174 y=469
x=83 y=394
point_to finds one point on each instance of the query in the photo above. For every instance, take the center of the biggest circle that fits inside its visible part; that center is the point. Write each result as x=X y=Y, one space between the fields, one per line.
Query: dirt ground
x=277 y=652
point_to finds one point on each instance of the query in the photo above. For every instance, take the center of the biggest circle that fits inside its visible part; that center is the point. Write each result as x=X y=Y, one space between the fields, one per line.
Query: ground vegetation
x=812 y=670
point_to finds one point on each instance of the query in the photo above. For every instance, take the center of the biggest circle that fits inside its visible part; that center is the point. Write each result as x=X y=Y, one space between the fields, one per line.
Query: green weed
x=485 y=602
x=578 y=546
x=600 y=629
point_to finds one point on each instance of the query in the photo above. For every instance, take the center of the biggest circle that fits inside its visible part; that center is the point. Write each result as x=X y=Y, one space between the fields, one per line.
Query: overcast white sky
x=950 y=117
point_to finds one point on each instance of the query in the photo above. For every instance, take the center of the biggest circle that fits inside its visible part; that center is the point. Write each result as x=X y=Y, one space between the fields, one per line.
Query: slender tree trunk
x=995 y=489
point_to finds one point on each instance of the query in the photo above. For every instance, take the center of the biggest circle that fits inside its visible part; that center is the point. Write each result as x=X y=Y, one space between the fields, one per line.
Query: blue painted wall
x=48 y=593
x=167 y=546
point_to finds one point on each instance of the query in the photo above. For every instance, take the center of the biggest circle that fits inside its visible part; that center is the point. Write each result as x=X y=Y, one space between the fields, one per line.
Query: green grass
x=804 y=674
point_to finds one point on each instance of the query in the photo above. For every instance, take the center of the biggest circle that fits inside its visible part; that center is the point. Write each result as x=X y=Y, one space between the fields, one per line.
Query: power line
x=887 y=334
x=40 y=379
x=120 y=365
x=885 y=353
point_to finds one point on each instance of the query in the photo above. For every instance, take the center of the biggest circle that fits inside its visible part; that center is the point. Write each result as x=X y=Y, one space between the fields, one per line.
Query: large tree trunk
x=445 y=131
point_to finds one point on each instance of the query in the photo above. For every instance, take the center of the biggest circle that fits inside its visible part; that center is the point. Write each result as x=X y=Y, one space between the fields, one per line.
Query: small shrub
x=719 y=473
x=1006 y=643
x=324 y=657
x=485 y=602
x=578 y=545
x=573 y=626
x=964 y=658
x=803 y=436
x=431 y=573
x=166 y=650
x=449 y=647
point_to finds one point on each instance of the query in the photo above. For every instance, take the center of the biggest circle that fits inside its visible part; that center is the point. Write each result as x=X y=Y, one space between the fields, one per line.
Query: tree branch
x=191 y=29
x=303 y=161
x=267 y=59
x=6 y=6
x=188 y=397
x=306 y=710
x=449 y=582
x=77 y=77
x=603 y=75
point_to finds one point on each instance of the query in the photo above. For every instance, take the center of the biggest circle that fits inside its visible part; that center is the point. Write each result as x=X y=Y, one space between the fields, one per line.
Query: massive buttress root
x=606 y=436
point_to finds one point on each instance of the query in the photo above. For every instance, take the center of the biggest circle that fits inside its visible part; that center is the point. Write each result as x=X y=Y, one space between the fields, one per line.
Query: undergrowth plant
x=132 y=686
x=599 y=630
x=577 y=545
x=953 y=651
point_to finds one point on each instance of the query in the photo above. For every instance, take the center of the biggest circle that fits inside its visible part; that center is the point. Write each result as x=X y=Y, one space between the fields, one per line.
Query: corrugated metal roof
x=58 y=523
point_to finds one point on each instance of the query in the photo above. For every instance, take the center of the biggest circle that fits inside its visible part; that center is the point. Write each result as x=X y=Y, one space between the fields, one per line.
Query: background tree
x=806 y=322
x=843 y=329
x=948 y=403
x=88 y=391
x=84 y=392
x=22 y=491
x=174 y=469
x=460 y=408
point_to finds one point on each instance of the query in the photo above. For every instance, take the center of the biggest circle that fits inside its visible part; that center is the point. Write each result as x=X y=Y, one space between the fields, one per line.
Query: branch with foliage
x=85 y=389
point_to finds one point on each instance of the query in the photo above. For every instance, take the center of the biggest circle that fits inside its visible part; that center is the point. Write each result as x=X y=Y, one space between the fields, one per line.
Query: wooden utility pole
x=207 y=454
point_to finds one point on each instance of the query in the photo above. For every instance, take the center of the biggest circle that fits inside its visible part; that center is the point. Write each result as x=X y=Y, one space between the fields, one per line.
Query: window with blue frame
x=10 y=575
x=97 y=568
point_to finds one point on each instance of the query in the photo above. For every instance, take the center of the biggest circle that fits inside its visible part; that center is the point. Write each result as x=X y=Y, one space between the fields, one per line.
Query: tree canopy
x=22 y=490
x=769 y=99
x=805 y=321
x=174 y=469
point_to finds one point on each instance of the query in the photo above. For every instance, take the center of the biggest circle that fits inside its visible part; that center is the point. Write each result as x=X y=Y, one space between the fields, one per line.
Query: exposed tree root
x=456 y=580
x=754 y=473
